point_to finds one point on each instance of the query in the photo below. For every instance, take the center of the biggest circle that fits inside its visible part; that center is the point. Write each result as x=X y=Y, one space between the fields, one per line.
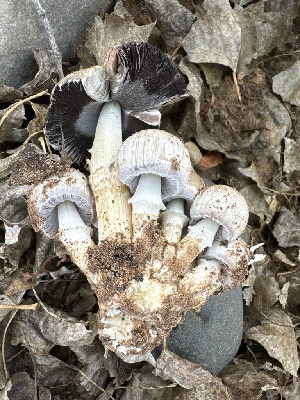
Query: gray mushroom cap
x=224 y=205
x=193 y=186
x=44 y=198
x=155 y=152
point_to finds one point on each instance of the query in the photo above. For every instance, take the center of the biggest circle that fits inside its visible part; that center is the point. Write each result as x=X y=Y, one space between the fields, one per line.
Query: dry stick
x=31 y=136
x=18 y=103
x=19 y=306
x=50 y=34
x=43 y=305
x=236 y=85
x=3 y=343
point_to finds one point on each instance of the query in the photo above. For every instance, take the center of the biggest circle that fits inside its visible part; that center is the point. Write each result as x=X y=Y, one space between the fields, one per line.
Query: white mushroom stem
x=74 y=233
x=146 y=201
x=111 y=196
x=173 y=220
x=205 y=230
x=198 y=238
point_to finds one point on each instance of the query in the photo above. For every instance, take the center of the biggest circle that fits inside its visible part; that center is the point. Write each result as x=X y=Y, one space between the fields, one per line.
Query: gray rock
x=21 y=30
x=212 y=336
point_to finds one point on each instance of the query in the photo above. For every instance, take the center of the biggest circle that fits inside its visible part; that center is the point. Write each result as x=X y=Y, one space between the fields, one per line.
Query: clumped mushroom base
x=144 y=288
x=145 y=275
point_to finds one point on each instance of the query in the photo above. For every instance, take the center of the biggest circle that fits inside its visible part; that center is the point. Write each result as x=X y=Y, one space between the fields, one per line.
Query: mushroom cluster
x=166 y=242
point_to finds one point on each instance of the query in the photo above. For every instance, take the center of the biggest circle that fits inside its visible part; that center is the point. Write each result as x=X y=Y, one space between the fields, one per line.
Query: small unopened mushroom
x=62 y=207
x=173 y=219
x=154 y=164
x=217 y=210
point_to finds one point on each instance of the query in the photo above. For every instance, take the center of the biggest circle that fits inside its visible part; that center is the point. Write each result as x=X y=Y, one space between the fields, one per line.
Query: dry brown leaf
x=9 y=94
x=262 y=291
x=263 y=28
x=23 y=386
x=172 y=19
x=287 y=84
x=17 y=240
x=246 y=381
x=33 y=166
x=47 y=75
x=215 y=37
x=187 y=374
x=102 y=36
x=10 y=129
x=287 y=228
x=194 y=87
x=291 y=155
x=210 y=160
x=276 y=334
x=144 y=385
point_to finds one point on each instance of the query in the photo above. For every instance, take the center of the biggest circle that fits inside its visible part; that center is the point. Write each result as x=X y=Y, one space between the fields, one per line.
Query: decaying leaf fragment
x=263 y=28
x=104 y=35
x=276 y=334
x=216 y=35
x=8 y=94
x=262 y=291
x=47 y=74
x=10 y=127
x=187 y=374
x=287 y=84
x=17 y=240
x=287 y=228
x=23 y=386
x=173 y=20
x=247 y=381
x=291 y=155
x=34 y=166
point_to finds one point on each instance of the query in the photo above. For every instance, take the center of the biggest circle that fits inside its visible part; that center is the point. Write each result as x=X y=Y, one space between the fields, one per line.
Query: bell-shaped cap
x=155 y=152
x=224 y=205
x=45 y=196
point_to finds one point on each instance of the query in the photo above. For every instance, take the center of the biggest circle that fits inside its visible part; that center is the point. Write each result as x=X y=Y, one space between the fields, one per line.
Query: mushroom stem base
x=111 y=199
x=74 y=234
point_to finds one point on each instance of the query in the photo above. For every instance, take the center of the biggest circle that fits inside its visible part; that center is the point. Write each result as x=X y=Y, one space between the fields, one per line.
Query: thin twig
x=3 y=344
x=43 y=305
x=31 y=136
x=20 y=102
x=19 y=306
x=50 y=34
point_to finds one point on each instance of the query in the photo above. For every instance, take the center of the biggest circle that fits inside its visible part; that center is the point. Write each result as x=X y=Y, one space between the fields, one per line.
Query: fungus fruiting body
x=153 y=163
x=62 y=206
x=86 y=113
x=145 y=278
x=217 y=210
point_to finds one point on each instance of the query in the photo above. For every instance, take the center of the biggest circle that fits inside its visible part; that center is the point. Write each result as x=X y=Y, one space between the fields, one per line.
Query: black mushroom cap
x=71 y=120
x=141 y=78
x=147 y=77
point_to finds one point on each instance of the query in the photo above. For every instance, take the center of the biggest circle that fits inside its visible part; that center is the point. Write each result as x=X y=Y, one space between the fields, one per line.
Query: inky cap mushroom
x=138 y=76
x=143 y=77
x=173 y=218
x=74 y=110
x=234 y=256
x=153 y=163
x=217 y=210
x=62 y=207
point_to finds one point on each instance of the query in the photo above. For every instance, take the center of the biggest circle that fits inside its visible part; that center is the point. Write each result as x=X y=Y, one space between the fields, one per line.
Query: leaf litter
x=242 y=130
